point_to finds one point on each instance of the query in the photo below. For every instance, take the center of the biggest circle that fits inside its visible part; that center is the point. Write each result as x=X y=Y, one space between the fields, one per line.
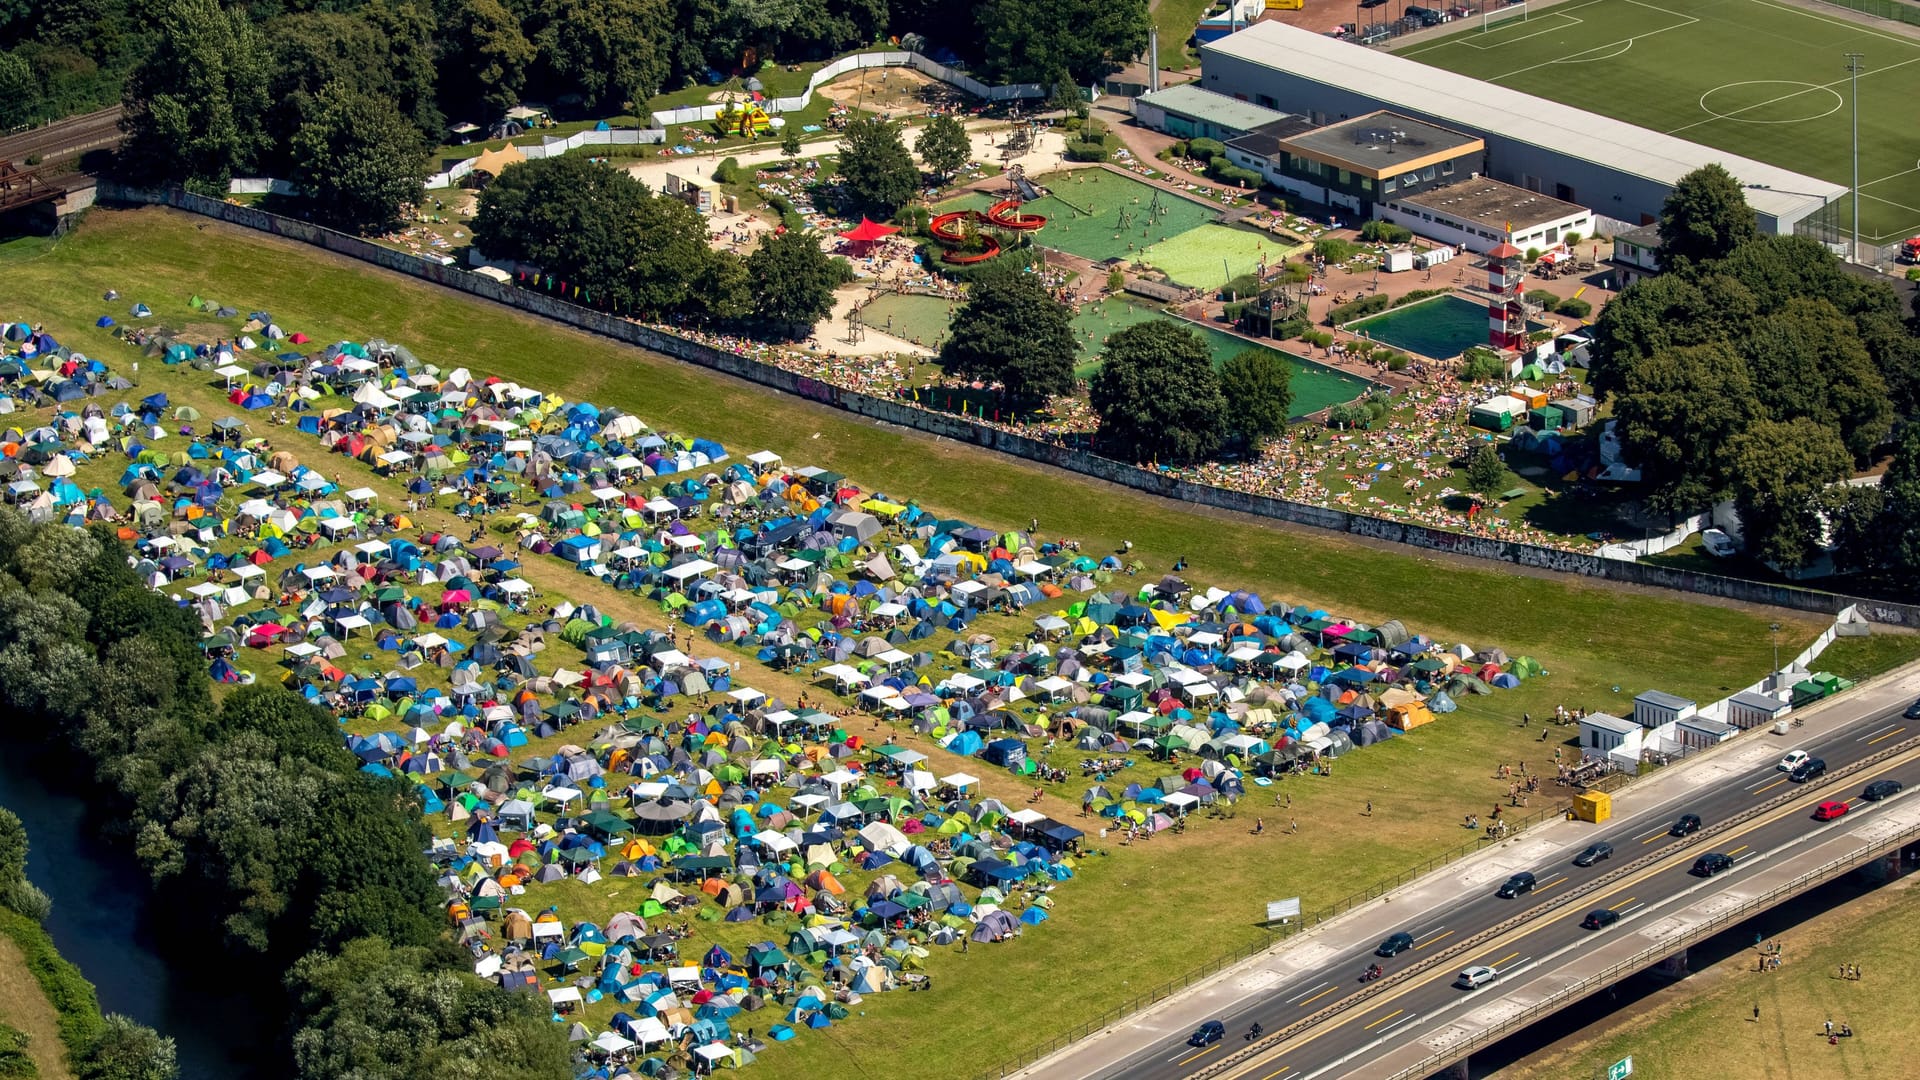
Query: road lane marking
x=1770 y=787
x=1295 y=998
x=1430 y=941
x=1550 y=884
x=1621 y=904
x=1871 y=734
x=1201 y=1054
x=1385 y=1018
x=1737 y=851
x=1495 y=964
x=1318 y=996
x=1661 y=835
x=1277 y=1072
x=1887 y=736
x=1407 y=1019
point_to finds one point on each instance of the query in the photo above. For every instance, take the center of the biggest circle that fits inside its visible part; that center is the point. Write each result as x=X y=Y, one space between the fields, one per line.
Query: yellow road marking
x=1201 y=1054
x=1888 y=735
x=1277 y=1072
x=1654 y=837
x=1549 y=885
x=1318 y=996
x=1495 y=964
x=1770 y=787
x=1738 y=850
x=1621 y=904
x=1431 y=940
x=1385 y=1018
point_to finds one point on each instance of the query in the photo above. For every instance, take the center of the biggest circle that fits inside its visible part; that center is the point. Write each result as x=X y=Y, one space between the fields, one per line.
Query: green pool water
x=1440 y=328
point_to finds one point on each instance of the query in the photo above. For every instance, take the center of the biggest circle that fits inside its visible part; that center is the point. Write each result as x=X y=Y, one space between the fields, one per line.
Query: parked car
x=1395 y=944
x=1686 y=826
x=1793 y=760
x=1712 y=863
x=1600 y=919
x=1718 y=543
x=1475 y=977
x=1595 y=852
x=1811 y=769
x=1516 y=885
x=1881 y=789
x=1829 y=810
x=1207 y=1034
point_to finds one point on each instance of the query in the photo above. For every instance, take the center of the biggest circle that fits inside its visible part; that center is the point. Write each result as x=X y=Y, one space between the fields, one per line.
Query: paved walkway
x=1663 y=790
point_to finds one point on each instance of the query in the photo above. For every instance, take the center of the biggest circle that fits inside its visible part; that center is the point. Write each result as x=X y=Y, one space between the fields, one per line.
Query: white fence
x=550 y=146
x=1629 y=550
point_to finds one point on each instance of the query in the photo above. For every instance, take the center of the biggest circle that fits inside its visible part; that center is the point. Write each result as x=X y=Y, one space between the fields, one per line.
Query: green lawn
x=1601 y=643
x=1175 y=19
x=1758 y=78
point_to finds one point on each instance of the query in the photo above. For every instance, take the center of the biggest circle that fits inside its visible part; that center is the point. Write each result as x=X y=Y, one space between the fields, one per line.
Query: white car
x=1718 y=543
x=1475 y=977
x=1793 y=759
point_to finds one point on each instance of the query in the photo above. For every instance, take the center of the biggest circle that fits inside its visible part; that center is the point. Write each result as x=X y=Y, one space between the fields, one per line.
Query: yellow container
x=1594 y=806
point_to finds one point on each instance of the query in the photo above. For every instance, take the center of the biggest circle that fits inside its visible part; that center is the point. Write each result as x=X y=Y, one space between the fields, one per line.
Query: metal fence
x=1896 y=10
x=1226 y=960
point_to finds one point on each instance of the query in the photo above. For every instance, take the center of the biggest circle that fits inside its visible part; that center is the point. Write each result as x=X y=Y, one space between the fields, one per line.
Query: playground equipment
x=950 y=231
x=745 y=119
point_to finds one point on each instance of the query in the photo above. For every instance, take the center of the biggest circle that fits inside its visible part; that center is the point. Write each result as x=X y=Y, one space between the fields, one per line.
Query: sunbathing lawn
x=1601 y=643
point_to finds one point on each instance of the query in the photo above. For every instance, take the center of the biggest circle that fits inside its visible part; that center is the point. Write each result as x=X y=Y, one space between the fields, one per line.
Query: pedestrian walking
x=1259 y=826
x=1369 y=810
x=1293 y=825
x=1526 y=719
x=1829 y=1025
x=1756 y=1012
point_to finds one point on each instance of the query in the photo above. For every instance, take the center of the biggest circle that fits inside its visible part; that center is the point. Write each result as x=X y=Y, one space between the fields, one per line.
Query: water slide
x=1005 y=214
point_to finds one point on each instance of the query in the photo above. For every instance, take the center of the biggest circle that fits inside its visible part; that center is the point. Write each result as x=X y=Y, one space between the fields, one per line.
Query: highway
x=1321 y=1018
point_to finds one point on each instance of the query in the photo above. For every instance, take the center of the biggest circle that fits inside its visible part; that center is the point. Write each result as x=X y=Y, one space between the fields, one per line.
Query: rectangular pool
x=1441 y=328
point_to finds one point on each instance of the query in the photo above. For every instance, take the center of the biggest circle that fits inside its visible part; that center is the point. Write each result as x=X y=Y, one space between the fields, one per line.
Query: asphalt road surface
x=1399 y=1005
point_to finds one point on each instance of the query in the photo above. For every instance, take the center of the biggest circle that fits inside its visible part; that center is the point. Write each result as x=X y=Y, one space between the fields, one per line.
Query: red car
x=1827 y=811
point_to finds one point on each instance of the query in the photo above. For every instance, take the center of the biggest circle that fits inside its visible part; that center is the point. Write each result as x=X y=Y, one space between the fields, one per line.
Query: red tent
x=868 y=231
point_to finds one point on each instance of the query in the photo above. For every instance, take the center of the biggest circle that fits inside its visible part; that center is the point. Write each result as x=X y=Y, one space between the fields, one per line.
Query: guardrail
x=1286 y=931
x=1568 y=899
x=1648 y=957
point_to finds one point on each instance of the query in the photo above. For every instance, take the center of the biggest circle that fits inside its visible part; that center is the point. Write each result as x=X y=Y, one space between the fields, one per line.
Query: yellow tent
x=494 y=162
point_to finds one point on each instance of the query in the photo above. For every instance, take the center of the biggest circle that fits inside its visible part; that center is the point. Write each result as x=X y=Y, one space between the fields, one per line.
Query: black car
x=1686 y=826
x=1515 y=886
x=1712 y=863
x=1394 y=945
x=1811 y=769
x=1600 y=919
x=1913 y=711
x=1207 y=1034
x=1372 y=3
x=1881 y=789
x=1595 y=852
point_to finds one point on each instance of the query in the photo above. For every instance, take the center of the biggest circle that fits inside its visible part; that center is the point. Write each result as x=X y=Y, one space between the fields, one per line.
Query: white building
x=1748 y=709
x=1480 y=213
x=1656 y=708
x=1609 y=738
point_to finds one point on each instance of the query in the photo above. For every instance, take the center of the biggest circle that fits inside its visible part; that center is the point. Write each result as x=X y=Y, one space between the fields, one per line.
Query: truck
x=1910 y=250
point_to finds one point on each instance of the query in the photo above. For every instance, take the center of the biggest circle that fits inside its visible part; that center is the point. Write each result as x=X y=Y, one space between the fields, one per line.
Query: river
x=99 y=923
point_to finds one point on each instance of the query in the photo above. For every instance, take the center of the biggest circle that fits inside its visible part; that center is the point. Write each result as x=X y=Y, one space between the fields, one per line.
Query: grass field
x=1705 y=1025
x=24 y=1007
x=1599 y=642
x=1758 y=78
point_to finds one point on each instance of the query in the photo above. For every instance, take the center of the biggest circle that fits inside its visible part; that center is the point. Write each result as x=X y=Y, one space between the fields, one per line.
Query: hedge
x=1359 y=309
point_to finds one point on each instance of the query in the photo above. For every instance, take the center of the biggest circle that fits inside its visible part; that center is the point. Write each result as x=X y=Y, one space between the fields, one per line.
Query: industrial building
x=1478 y=213
x=1621 y=171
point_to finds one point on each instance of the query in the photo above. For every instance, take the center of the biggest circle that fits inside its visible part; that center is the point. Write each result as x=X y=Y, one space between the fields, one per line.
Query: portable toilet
x=1592 y=806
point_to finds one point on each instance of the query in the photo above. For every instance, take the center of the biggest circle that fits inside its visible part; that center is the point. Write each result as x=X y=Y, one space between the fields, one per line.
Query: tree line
x=1758 y=368
x=264 y=843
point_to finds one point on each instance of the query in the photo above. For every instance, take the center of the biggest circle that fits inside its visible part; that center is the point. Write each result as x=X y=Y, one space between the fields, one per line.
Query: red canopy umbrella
x=868 y=231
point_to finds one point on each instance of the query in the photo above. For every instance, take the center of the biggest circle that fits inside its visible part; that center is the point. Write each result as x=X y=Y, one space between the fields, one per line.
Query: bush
x=1225 y=171
x=728 y=171
x=1206 y=149
x=1116 y=281
x=1359 y=309
x=1333 y=249
x=27 y=898
x=1574 y=308
x=1291 y=328
x=1349 y=415
x=1398 y=362
x=15 y=1062
x=1086 y=151
x=1178 y=149
x=1322 y=339
x=1571 y=239
x=70 y=994
x=1913 y=273
x=1542 y=298
x=1361 y=349
x=1073 y=123
x=1533 y=254
x=1093 y=129
x=1244 y=285
x=1416 y=296
x=1385 y=232
x=1481 y=366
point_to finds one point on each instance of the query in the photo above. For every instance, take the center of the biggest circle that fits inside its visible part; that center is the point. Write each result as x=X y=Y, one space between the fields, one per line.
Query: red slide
x=946 y=228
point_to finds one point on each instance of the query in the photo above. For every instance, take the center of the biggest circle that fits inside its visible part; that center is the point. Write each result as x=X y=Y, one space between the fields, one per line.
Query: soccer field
x=1753 y=77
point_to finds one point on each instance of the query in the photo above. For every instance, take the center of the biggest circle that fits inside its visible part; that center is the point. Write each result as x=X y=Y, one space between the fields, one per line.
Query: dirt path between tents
x=24 y=1006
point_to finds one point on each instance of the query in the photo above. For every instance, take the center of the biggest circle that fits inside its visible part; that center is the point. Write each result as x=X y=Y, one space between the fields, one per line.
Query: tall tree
x=793 y=281
x=879 y=174
x=1899 y=524
x=1258 y=386
x=1038 y=41
x=1676 y=414
x=1807 y=360
x=1654 y=314
x=613 y=53
x=359 y=160
x=1486 y=473
x=194 y=107
x=943 y=146
x=19 y=91
x=1010 y=331
x=1779 y=471
x=1158 y=396
x=1705 y=218
x=486 y=60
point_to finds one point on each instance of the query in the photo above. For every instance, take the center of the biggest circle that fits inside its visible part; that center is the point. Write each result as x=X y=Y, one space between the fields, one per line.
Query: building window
x=1389 y=186
x=1266 y=101
x=1429 y=174
x=1345 y=178
x=1446 y=169
x=1366 y=186
x=1409 y=179
x=1553 y=234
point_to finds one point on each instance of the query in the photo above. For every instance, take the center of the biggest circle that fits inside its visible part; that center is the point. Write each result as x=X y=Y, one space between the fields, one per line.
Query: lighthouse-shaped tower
x=1507 y=309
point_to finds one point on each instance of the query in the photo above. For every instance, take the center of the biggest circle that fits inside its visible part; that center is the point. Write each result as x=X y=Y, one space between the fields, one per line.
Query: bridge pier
x=1673 y=967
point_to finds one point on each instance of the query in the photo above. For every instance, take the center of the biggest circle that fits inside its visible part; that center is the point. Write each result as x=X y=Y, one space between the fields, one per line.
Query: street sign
x=1621 y=1069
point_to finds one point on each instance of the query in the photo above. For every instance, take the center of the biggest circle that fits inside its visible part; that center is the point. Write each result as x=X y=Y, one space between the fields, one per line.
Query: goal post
x=1497 y=14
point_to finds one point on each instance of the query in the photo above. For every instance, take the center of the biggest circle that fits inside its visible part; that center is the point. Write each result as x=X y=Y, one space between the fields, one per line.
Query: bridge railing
x=1647 y=958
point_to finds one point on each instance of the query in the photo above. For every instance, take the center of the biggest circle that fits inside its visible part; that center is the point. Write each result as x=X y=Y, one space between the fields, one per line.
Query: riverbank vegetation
x=262 y=838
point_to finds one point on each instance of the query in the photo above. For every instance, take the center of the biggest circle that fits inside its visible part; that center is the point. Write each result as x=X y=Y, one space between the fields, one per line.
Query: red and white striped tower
x=1507 y=310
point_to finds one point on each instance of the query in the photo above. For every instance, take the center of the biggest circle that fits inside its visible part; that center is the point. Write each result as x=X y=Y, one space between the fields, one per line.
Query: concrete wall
x=946 y=425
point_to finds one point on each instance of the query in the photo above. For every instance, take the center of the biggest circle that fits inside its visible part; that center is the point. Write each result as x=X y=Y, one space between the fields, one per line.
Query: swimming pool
x=1440 y=328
